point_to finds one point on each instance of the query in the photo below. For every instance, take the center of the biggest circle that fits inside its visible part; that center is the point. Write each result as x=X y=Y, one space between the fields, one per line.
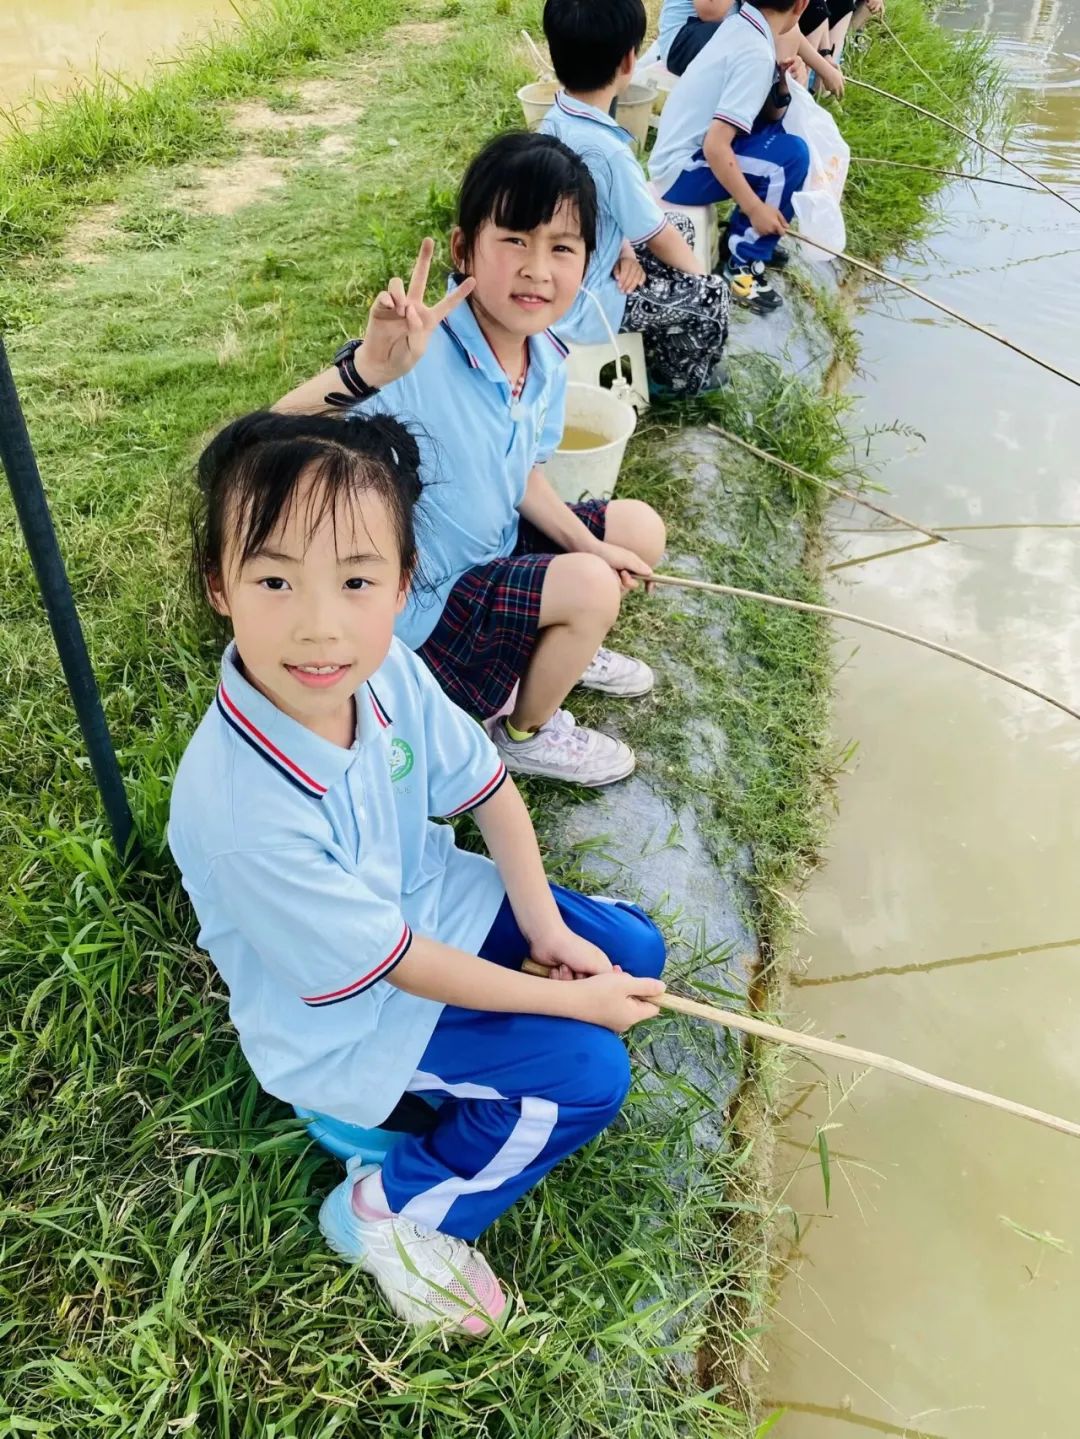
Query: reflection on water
x=46 y=45
x=945 y=925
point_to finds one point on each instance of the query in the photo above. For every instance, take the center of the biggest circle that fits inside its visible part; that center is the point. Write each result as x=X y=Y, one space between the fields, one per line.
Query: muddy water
x=945 y=924
x=47 y=45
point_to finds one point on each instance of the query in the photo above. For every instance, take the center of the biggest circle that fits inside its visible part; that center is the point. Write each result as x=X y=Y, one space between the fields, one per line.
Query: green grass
x=886 y=209
x=77 y=144
x=162 y=1272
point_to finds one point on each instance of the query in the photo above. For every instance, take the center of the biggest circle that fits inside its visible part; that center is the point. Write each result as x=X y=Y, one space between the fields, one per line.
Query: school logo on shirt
x=401 y=760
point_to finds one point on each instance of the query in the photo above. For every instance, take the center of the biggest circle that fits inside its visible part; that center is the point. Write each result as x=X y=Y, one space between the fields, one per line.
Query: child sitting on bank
x=643 y=274
x=520 y=586
x=687 y=26
x=720 y=137
x=367 y=958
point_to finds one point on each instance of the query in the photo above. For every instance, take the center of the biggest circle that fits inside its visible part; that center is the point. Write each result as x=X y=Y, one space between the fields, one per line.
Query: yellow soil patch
x=87 y=235
x=331 y=104
x=421 y=32
x=224 y=189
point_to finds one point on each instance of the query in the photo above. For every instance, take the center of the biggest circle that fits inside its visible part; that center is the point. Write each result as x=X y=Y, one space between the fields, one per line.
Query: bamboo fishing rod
x=967 y=134
x=734 y=592
x=855 y=499
x=949 y=174
x=814 y=1044
x=938 y=305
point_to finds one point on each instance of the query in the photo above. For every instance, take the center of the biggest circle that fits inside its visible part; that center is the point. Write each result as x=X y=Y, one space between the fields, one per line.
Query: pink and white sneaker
x=614 y=674
x=424 y=1275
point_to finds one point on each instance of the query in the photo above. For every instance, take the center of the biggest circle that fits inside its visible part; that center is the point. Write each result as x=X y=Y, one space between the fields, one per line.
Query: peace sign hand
x=400 y=323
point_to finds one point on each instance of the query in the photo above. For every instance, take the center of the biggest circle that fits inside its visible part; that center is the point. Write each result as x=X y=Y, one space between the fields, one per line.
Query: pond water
x=47 y=45
x=944 y=925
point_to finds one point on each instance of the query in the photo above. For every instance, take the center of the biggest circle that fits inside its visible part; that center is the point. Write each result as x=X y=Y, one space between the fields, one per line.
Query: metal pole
x=31 y=506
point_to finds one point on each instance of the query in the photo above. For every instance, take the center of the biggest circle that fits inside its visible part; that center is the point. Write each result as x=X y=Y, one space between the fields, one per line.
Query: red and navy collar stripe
x=752 y=20
x=379 y=971
x=253 y=736
x=563 y=350
x=482 y=794
x=377 y=705
x=474 y=363
x=563 y=101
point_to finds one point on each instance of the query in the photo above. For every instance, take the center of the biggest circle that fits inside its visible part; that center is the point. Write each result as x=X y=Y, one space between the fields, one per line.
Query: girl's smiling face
x=313 y=609
x=526 y=280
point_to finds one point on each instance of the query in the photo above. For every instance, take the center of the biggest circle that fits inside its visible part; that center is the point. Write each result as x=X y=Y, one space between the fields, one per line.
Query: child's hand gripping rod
x=813 y=1044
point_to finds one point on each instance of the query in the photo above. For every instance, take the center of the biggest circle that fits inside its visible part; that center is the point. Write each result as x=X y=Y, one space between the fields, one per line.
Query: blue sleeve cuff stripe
x=381 y=970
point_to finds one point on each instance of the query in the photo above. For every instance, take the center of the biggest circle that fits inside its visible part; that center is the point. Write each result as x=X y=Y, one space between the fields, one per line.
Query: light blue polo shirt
x=627 y=209
x=310 y=867
x=729 y=79
x=477 y=446
x=673 y=16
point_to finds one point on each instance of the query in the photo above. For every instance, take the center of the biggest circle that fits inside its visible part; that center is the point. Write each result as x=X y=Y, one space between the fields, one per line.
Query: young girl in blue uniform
x=368 y=958
x=522 y=587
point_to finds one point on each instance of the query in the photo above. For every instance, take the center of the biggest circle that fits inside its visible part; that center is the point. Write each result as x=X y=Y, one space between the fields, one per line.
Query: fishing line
x=953 y=104
x=829 y=613
x=938 y=305
x=949 y=174
x=824 y=484
x=967 y=134
x=959 y=529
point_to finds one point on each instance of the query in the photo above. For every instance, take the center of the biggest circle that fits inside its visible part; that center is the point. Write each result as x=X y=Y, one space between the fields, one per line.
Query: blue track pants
x=775 y=164
x=521 y=1091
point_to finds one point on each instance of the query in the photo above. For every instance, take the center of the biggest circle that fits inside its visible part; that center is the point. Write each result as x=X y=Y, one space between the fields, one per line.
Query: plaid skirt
x=487 y=631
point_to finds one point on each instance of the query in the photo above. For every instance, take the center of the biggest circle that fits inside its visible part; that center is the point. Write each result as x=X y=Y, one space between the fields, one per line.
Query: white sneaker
x=425 y=1275
x=614 y=674
x=563 y=749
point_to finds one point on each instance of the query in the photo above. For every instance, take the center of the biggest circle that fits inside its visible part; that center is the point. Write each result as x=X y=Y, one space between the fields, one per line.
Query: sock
x=369 y=1198
x=518 y=734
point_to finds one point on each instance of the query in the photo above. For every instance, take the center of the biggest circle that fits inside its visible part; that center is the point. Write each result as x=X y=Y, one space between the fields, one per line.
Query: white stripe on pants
x=525 y=1142
x=765 y=169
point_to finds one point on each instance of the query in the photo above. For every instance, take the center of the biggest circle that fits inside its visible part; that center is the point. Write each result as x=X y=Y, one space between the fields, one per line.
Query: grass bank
x=171 y=258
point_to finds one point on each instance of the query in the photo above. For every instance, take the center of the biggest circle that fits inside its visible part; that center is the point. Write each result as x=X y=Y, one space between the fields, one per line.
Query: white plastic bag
x=817 y=207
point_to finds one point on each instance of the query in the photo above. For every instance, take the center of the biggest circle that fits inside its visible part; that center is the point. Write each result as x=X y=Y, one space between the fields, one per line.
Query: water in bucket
x=576 y=437
x=598 y=425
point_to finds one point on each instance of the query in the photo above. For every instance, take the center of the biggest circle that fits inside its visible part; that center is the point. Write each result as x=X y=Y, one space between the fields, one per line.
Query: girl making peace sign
x=516 y=586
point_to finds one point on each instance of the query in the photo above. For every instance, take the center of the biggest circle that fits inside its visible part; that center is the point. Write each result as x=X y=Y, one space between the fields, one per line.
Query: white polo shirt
x=477 y=445
x=626 y=208
x=729 y=79
x=310 y=867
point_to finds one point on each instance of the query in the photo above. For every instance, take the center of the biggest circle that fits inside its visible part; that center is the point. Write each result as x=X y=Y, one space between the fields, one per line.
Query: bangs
x=267 y=489
x=253 y=473
x=518 y=182
x=527 y=207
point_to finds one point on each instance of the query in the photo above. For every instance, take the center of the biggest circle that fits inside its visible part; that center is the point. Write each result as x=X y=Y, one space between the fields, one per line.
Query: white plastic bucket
x=658 y=78
x=592 y=474
x=635 y=107
x=537 y=99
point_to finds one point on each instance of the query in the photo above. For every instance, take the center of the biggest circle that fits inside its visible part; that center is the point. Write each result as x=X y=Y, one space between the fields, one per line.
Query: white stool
x=585 y=364
x=706 y=227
